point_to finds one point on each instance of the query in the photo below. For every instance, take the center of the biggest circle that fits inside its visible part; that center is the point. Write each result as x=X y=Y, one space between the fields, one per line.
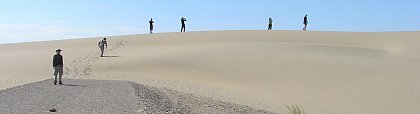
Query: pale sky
x=40 y=20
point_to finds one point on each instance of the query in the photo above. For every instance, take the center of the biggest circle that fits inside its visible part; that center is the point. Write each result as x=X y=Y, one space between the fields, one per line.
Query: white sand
x=322 y=72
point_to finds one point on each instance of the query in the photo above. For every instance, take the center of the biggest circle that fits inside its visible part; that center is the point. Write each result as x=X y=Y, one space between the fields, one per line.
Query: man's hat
x=58 y=50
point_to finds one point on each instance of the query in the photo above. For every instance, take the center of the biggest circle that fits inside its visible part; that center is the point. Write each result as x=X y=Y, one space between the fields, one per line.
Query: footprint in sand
x=81 y=67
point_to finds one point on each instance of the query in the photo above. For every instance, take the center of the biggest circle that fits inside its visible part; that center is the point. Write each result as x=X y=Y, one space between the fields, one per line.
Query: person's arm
x=106 y=44
x=62 y=61
x=53 y=61
x=56 y=61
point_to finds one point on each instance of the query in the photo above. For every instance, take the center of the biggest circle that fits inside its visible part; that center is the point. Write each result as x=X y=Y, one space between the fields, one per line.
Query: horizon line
x=119 y=35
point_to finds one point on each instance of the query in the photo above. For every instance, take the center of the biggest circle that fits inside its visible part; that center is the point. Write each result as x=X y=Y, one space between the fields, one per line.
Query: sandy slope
x=322 y=72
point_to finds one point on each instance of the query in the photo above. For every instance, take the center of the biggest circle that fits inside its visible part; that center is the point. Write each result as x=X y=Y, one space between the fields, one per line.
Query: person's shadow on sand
x=110 y=56
x=73 y=85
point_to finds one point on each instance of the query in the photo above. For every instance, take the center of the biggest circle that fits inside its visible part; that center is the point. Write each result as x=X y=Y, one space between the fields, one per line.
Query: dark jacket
x=57 y=60
x=183 y=21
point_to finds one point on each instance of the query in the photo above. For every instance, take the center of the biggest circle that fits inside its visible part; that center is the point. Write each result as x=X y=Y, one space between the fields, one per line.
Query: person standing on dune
x=151 y=25
x=103 y=45
x=183 y=23
x=58 y=66
x=270 y=24
x=305 y=22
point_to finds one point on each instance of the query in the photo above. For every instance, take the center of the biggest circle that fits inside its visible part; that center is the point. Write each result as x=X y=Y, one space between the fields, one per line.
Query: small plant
x=295 y=110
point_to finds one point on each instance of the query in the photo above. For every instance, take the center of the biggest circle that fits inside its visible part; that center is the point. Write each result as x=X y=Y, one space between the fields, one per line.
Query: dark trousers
x=270 y=26
x=151 y=29
x=183 y=28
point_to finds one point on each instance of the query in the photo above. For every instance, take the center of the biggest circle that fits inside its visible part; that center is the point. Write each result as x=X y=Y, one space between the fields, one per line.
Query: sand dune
x=322 y=72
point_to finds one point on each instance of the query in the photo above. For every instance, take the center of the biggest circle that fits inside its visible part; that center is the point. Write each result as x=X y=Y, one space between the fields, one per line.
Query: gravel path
x=109 y=97
x=73 y=97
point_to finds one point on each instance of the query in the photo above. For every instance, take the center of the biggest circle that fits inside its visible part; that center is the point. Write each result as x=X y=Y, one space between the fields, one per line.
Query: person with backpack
x=102 y=45
x=305 y=22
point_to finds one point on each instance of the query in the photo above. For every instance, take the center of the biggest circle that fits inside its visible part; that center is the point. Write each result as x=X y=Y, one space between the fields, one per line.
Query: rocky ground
x=109 y=97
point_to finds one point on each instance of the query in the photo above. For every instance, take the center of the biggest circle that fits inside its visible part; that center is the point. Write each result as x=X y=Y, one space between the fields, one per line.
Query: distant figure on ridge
x=58 y=66
x=151 y=25
x=305 y=22
x=183 y=23
x=103 y=45
x=270 y=24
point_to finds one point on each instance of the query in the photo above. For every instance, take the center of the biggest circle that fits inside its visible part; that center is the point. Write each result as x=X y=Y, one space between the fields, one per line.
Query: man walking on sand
x=270 y=24
x=151 y=25
x=58 y=66
x=305 y=22
x=183 y=23
x=103 y=45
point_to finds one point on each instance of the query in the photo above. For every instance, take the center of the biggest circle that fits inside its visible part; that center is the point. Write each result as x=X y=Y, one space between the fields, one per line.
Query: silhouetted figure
x=183 y=23
x=58 y=66
x=103 y=45
x=151 y=25
x=305 y=22
x=270 y=24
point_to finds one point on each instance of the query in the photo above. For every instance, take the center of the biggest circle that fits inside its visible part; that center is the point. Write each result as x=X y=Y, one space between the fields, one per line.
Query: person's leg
x=151 y=29
x=183 y=28
x=102 y=50
x=55 y=75
x=60 y=73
